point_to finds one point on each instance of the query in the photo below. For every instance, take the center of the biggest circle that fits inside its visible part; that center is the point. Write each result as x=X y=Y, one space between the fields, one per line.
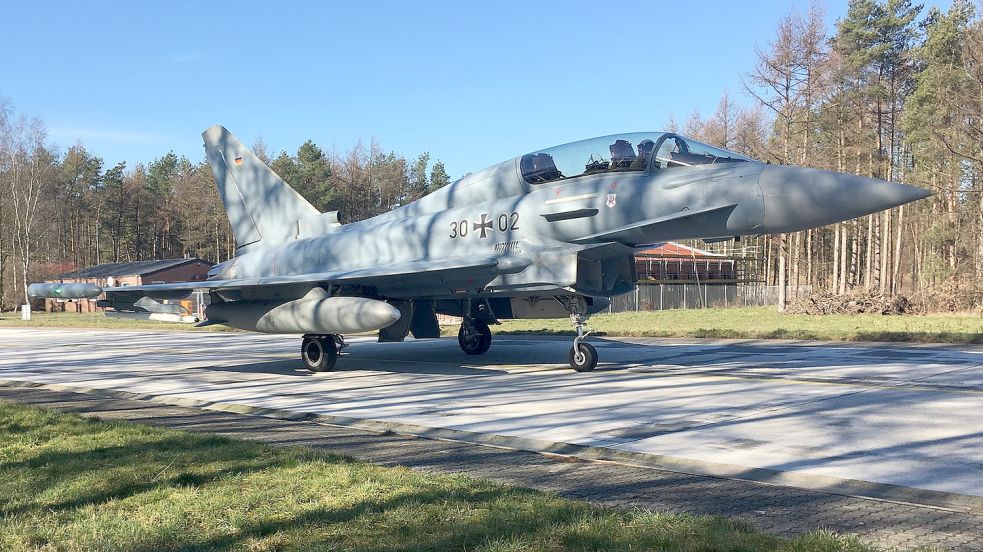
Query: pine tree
x=438 y=176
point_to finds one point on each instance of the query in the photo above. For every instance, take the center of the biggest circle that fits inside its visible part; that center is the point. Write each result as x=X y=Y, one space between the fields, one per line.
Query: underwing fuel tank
x=64 y=291
x=315 y=313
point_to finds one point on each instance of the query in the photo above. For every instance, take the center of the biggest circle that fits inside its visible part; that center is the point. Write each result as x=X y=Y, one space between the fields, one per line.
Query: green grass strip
x=95 y=320
x=767 y=323
x=73 y=483
x=733 y=323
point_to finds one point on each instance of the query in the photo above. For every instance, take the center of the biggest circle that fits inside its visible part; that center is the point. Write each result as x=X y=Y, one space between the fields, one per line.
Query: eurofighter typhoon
x=549 y=234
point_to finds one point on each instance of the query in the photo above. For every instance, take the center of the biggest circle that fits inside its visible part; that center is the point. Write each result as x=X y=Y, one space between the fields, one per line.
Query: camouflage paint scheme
x=534 y=236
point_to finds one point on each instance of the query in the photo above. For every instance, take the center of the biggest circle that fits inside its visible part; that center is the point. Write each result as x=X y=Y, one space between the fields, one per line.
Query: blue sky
x=473 y=83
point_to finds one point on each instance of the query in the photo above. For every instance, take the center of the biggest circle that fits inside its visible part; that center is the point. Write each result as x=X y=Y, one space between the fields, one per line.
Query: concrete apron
x=790 y=414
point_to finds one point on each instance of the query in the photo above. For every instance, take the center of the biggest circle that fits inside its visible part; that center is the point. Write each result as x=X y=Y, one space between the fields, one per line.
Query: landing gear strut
x=474 y=337
x=320 y=352
x=583 y=355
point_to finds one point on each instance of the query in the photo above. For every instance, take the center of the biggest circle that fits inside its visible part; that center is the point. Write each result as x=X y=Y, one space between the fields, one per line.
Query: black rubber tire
x=588 y=360
x=476 y=342
x=319 y=352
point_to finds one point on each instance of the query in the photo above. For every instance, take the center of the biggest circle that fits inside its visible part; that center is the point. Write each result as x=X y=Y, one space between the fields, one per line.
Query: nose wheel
x=320 y=352
x=583 y=355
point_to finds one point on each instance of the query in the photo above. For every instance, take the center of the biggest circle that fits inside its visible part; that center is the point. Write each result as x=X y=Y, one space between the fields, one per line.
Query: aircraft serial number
x=505 y=222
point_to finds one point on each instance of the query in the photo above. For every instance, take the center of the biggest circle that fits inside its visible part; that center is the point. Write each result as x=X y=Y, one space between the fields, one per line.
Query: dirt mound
x=854 y=302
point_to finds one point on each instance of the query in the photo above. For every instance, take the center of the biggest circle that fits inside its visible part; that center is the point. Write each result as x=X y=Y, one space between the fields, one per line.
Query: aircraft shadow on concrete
x=282 y=367
x=443 y=357
x=349 y=362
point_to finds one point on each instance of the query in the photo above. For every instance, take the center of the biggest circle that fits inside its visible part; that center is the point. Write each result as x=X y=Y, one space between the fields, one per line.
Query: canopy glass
x=637 y=151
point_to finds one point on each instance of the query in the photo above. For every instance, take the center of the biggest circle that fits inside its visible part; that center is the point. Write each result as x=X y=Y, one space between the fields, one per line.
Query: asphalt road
x=899 y=417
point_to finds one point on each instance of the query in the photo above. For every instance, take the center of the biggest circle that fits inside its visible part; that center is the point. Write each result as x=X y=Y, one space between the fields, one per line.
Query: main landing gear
x=474 y=336
x=320 y=352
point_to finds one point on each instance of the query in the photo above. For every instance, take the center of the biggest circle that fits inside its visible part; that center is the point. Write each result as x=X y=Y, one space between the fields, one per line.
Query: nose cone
x=797 y=198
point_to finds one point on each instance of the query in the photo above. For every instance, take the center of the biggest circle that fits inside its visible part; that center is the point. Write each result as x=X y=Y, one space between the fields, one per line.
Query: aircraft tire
x=586 y=361
x=319 y=352
x=476 y=342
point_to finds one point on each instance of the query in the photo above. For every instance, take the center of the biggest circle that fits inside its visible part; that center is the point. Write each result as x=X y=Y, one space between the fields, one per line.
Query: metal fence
x=694 y=296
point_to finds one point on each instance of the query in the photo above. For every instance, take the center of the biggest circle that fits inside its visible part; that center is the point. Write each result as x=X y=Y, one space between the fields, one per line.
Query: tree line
x=893 y=91
x=62 y=210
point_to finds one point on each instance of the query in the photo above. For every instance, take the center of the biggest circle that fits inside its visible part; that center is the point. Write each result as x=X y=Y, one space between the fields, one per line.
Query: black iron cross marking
x=485 y=225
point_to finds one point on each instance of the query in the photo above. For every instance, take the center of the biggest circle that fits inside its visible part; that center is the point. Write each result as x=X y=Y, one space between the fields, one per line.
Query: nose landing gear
x=583 y=355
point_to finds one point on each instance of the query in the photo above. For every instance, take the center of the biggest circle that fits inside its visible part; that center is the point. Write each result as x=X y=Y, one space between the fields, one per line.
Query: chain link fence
x=648 y=297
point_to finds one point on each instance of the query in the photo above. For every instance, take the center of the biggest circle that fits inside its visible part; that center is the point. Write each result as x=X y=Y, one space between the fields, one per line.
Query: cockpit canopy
x=638 y=151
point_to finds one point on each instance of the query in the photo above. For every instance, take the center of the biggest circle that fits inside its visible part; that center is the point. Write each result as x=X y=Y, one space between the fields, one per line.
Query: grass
x=73 y=483
x=767 y=323
x=96 y=321
x=738 y=323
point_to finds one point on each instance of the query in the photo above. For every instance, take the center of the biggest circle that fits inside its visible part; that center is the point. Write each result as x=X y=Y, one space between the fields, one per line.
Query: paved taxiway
x=894 y=414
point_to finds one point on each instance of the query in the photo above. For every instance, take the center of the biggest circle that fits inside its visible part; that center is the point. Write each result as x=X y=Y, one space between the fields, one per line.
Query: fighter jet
x=548 y=234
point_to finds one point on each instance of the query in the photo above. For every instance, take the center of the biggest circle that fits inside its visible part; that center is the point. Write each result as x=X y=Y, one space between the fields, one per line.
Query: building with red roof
x=675 y=263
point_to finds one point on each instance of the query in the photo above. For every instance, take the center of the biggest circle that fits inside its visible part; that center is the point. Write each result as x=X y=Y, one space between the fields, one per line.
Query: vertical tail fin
x=260 y=205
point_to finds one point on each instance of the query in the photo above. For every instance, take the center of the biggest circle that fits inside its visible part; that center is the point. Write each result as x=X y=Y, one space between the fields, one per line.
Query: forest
x=68 y=210
x=894 y=90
